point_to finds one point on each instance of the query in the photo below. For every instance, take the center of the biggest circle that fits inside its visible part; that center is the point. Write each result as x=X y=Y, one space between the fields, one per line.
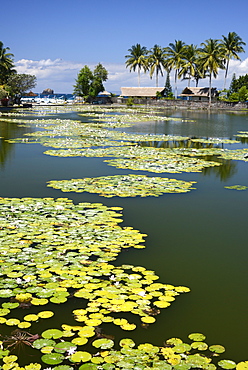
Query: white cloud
x=60 y=75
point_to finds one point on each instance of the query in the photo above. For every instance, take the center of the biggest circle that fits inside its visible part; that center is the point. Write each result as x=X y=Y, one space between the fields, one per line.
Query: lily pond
x=123 y=239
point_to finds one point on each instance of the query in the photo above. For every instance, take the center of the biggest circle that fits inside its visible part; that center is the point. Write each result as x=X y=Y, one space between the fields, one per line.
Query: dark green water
x=198 y=239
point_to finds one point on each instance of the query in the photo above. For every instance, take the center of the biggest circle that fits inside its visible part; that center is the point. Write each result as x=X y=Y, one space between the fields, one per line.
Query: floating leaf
x=24 y=325
x=236 y=187
x=31 y=317
x=103 y=343
x=124 y=185
x=45 y=314
x=40 y=343
x=227 y=364
x=80 y=356
x=52 y=333
x=242 y=365
x=129 y=343
x=12 y=322
x=52 y=358
x=217 y=348
x=197 y=337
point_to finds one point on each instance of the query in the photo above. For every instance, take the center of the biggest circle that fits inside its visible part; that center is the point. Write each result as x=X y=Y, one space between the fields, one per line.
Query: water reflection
x=224 y=172
x=9 y=131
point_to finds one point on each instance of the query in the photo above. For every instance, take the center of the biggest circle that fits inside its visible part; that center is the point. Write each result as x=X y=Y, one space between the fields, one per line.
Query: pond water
x=197 y=239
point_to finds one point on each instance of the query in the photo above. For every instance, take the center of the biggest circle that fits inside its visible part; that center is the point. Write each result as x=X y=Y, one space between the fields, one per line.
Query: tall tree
x=231 y=45
x=18 y=84
x=210 y=60
x=6 y=64
x=175 y=58
x=90 y=83
x=189 y=63
x=156 y=61
x=168 y=88
x=137 y=59
x=83 y=81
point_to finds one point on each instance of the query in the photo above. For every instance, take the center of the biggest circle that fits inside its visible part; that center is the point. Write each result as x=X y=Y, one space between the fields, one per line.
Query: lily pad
x=217 y=348
x=227 y=364
x=52 y=358
x=197 y=337
x=103 y=343
x=80 y=356
x=52 y=333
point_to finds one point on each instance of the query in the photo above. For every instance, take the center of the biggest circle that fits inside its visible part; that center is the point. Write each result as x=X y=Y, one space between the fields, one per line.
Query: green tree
x=83 y=82
x=237 y=83
x=243 y=93
x=231 y=46
x=156 y=61
x=100 y=74
x=168 y=88
x=88 y=83
x=210 y=60
x=137 y=59
x=232 y=84
x=18 y=84
x=190 y=66
x=6 y=64
x=175 y=58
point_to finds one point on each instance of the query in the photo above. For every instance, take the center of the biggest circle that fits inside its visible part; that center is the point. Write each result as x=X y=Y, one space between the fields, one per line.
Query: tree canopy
x=18 y=84
x=89 y=84
x=187 y=61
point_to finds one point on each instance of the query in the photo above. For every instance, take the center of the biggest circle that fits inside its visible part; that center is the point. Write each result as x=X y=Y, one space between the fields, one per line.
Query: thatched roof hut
x=143 y=92
x=199 y=93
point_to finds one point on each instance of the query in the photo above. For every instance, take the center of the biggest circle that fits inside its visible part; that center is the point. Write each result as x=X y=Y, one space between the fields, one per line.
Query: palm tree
x=137 y=58
x=174 y=58
x=231 y=46
x=6 y=63
x=210 y=60
x=156 y=61
x=189 y=67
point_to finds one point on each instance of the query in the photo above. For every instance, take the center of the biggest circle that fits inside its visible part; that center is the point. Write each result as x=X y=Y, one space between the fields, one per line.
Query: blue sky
x=54 y=39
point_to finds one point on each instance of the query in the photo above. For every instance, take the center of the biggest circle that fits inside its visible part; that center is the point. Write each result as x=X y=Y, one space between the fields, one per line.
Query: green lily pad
x=103 y=343
x=242 y=365
x=64 y=347
x=88 y=367
x=52 y=333
x=124 y=185
x=52 y=358
x=40 y=343
x=80 y=356
x=227 y=364
x=127 y=342
x=217 y=348
x=197 y=337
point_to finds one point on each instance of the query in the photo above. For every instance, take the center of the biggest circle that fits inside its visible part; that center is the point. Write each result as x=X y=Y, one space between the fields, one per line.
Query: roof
x=104 y=93
x=141 y=91
x=199 y=91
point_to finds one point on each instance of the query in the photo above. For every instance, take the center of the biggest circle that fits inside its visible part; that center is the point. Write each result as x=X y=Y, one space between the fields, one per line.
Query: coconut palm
x=210 y=60
x=156 y=61
x=175 y=58
x=189 y=67
x=6 y=63
x=137 y=58
x=231 y=46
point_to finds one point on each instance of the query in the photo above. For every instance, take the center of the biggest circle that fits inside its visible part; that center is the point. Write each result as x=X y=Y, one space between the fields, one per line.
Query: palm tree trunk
x=176 y=84
x=139 y=76
x=227 y=66
x=210 y=90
